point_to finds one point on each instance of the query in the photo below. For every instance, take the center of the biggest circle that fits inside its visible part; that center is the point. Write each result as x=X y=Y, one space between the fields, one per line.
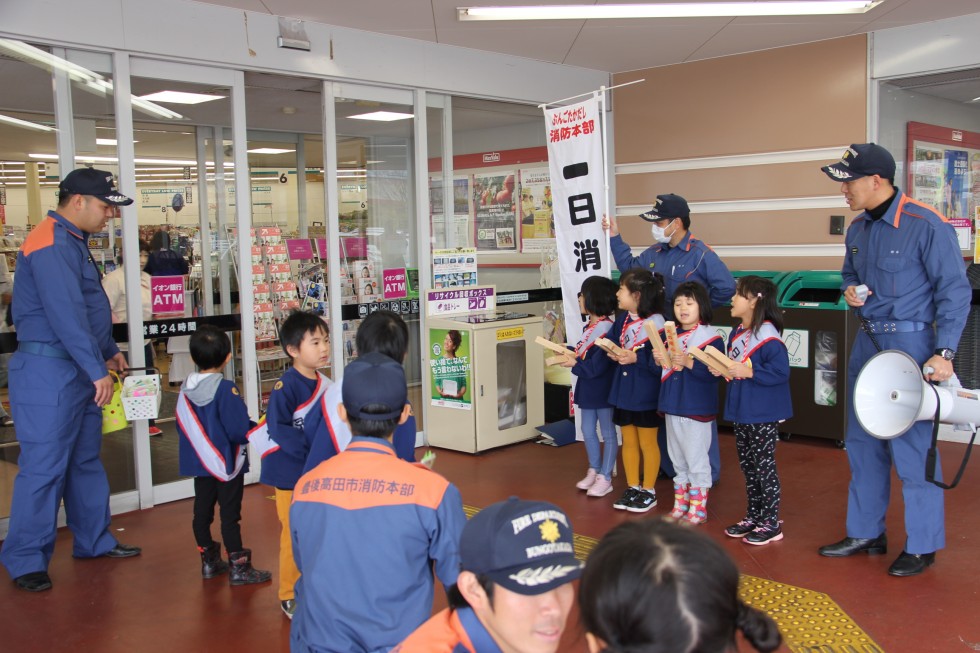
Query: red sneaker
x=155 y=430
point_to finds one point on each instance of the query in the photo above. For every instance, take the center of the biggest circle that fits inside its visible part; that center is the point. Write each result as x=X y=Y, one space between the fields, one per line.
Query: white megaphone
x=890 y=395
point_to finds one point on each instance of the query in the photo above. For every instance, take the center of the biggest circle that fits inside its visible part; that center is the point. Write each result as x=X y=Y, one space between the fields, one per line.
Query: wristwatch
x=946 y=353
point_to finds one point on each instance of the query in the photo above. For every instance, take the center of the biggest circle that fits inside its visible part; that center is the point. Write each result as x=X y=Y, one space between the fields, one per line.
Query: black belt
x=41 y=349
x=895 y=326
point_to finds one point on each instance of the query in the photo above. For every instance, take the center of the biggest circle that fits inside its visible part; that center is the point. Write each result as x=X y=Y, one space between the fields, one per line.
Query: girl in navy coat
x=595 y=374
x=757 y=400
x=636 y=385
x=689 y=400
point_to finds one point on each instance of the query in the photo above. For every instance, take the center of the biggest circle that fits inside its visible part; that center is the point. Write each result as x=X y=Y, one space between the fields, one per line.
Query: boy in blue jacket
x=285 y=445
x=213 y=422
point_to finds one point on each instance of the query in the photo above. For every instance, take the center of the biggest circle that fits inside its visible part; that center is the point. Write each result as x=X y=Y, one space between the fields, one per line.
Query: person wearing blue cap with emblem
x=514 y=590
x=59 y=381
x=904 y=275
x=369 y=529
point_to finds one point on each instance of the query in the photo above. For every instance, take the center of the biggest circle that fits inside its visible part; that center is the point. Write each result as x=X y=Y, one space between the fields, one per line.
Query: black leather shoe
x=911 y=564
x=36 y=581
x=851 y=545
x=123 y=551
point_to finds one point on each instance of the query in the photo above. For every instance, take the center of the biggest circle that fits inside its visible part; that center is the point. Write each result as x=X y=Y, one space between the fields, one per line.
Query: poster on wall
x=452 y=268
x=537 y=217
x=450 y=370
x=456 y=231
x=495 y=215
x=944 y=172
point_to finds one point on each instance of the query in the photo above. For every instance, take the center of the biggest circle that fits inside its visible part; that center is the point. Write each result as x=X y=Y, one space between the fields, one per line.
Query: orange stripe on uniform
x=40 y=237
x=915 y=202
x=356 y=480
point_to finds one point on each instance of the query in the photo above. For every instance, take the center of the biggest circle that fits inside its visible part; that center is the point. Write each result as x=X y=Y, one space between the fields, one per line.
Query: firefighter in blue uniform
x=59 y=382
x=918 y=301
x=679 y=257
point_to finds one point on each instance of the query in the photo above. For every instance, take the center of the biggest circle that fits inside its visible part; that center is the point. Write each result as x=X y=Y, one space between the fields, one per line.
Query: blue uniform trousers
x=871 y=459
x=59 y=428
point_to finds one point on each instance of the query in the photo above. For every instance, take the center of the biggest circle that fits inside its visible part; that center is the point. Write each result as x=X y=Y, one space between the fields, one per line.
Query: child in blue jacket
x=758 y=399
x=595 y=373
x=689 y=400
x=212 y=421
x=636 y=385
x=286 y=444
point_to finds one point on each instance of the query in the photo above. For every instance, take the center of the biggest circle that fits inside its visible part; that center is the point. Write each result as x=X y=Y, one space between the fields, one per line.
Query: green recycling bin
x=818 y=330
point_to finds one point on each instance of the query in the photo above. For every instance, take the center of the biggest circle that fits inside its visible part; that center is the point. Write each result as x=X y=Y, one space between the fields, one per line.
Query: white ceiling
x=609 y=45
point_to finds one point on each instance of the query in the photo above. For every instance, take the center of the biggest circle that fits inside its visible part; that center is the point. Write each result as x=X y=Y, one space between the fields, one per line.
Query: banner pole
x=605 y=172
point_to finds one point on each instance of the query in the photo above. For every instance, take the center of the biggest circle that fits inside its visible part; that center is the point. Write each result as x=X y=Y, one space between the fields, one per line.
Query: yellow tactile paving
x=811 y=622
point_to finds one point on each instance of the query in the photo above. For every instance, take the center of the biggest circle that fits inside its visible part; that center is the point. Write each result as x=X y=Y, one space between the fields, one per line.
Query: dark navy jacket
x=282 y=468
x=691 y=392
x=635 y=387
x=226 y=422
x=595 y=372
x=765 y=397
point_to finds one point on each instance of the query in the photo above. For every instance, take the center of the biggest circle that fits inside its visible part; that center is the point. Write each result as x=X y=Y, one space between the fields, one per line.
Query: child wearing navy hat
x=368 y=528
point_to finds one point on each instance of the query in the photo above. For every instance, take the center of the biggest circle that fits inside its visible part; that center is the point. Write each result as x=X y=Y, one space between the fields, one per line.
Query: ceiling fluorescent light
x=383 y=116
x=180 y=97
x=269 y=150
x=667 y=10
x=87 y=80
x=17 y=122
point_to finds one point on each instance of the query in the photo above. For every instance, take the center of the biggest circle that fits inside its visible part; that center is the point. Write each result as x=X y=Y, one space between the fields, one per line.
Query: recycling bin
x=819 y=330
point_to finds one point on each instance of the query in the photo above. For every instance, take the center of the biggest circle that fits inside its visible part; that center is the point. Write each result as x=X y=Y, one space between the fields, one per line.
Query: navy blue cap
x=374 y=379
x=667 y=206
x=862 y=160
x=524 y=546
x=97 y=183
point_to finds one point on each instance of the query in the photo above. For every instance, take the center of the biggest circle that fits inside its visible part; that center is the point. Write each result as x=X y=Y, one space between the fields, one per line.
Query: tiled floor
x=158 y=602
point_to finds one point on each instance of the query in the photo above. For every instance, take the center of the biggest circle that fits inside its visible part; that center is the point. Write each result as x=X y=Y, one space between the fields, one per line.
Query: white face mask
x=659 y=234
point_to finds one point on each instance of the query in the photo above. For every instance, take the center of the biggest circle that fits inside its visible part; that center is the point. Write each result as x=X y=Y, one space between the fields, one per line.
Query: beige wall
x=782 y=100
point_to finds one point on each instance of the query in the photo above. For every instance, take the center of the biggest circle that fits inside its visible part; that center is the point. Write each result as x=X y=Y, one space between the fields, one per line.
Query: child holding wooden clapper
x=758 y=399
x=689 y=401
x=595 y=372
x=636 y=385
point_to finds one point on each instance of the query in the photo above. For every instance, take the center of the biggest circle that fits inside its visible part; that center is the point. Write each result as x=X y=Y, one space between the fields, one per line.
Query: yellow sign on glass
x=510 y=334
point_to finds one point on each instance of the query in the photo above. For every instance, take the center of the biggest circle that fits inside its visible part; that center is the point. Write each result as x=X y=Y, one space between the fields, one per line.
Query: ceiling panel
x=577 y=43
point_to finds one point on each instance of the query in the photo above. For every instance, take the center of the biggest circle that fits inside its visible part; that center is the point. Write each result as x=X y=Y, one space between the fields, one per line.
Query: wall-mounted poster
x=456 y=231
x=944 y=172
x=537 y=217
x=495 y=212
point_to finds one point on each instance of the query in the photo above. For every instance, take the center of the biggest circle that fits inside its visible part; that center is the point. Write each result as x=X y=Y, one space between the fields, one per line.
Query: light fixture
x=269 y=150
x=17 y=122
x=108 y=141
x=383 y=116
x=112 y=159
x=87 y=80
x=667 y=10
x=181 y=97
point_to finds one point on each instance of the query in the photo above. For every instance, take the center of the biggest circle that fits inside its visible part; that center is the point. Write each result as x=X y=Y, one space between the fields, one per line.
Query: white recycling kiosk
x=485 y=385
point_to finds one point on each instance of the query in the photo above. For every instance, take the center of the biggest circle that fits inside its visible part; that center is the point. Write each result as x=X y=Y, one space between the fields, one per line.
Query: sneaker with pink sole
x=601 y=487
x=587 y=482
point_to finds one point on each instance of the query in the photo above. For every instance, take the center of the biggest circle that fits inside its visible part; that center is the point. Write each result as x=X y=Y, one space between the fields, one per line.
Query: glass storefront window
x=375 y=194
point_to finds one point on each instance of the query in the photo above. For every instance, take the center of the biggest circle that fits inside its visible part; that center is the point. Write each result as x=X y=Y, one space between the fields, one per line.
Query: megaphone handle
x=927 y=370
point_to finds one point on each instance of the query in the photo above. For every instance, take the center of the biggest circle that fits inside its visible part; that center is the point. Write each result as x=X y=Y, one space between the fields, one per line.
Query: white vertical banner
x=577 y=187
